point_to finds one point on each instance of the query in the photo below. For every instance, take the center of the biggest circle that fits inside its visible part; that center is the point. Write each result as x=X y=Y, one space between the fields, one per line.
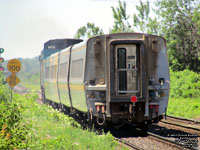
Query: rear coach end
x=126 y=78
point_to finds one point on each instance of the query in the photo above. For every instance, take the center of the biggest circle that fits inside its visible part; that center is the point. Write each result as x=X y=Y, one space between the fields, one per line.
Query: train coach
x=115 y=78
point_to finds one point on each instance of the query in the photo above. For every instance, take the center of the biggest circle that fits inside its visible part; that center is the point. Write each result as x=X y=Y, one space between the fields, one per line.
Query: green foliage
x=184 y=107
x=184 y=94
x=120 y=16
x=196 y=18
x=184 y=84
x=13 y=131
x=180 y=26
x=54 y=130
x=88 y=31
x=24 y=124
x=143 y=21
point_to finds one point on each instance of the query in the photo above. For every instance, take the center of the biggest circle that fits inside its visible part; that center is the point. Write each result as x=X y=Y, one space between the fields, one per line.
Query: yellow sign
x=12 y=80
x=14 y=65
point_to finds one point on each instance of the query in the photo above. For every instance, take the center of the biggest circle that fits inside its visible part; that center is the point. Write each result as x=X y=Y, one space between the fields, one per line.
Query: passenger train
x=115 y=78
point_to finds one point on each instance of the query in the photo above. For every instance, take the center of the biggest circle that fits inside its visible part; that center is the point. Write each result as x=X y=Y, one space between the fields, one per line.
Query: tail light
x=156 y=108
x=133 y=99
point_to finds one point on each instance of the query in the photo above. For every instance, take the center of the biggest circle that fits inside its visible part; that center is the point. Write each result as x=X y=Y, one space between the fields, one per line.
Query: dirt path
x=21 y=90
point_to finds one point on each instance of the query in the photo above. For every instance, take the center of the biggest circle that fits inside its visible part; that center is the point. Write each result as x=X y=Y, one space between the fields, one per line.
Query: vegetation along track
x=140 y=141
x=150 y=141
x=137 y=141
x=130 y=142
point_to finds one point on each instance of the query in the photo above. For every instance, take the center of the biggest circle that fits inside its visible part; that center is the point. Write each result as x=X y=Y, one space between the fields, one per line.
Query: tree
x=180 y=26
x=88 y=31
x=120 y=16
x=143 y=21
x=196 y=18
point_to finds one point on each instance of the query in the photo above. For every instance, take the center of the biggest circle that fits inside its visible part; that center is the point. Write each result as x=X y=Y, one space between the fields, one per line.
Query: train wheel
x=144 y=128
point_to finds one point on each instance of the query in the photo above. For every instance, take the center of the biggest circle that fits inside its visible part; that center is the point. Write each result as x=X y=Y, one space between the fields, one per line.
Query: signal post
x=13 y=66
x=1 y=59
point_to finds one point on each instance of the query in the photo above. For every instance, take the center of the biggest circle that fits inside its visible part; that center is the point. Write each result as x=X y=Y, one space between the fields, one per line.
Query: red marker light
x=156 y=108
x=1 y=69
x=133 y=99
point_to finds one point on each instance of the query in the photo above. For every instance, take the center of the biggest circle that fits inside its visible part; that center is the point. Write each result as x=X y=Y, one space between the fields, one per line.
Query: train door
x=126 y=66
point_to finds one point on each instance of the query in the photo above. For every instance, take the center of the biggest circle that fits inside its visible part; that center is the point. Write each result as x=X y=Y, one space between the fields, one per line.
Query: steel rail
x=179 y=125
x=128 y=144
x=184 y=119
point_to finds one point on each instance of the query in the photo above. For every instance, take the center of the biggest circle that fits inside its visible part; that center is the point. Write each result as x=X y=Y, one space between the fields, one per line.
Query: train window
x=63 y=70
x=121 y=54
x=77 y=68
x=53 y=72
x=121 y=58
x=46 y=72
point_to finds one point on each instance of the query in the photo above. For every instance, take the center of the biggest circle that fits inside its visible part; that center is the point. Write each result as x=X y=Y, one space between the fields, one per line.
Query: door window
x=122 y=65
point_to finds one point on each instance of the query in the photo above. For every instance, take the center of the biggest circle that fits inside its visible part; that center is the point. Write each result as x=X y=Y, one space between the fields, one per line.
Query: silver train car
x=116 y=78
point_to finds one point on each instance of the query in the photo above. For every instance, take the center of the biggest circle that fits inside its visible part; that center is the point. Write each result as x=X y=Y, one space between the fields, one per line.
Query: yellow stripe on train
x=77 y=87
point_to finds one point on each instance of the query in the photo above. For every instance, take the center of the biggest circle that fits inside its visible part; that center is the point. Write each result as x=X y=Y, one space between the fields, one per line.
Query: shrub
x=184 y=84
x=12 y=131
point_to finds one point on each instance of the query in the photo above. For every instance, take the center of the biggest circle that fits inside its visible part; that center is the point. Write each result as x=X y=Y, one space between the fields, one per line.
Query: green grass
x=50 y=129
x=184 y=94
x=184 y=107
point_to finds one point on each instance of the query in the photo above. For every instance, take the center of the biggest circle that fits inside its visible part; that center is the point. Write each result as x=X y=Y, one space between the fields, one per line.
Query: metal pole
x=11 y=95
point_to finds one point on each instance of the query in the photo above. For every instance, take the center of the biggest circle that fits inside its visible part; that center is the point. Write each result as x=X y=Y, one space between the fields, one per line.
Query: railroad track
x=193 y=126
x=159 y=139
x=127 y=144
x=184 y=119
x=171 y=142
x=180 y=125
x=177 y=139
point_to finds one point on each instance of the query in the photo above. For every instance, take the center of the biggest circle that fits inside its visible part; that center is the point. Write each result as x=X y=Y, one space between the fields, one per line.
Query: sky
x=25 y=25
